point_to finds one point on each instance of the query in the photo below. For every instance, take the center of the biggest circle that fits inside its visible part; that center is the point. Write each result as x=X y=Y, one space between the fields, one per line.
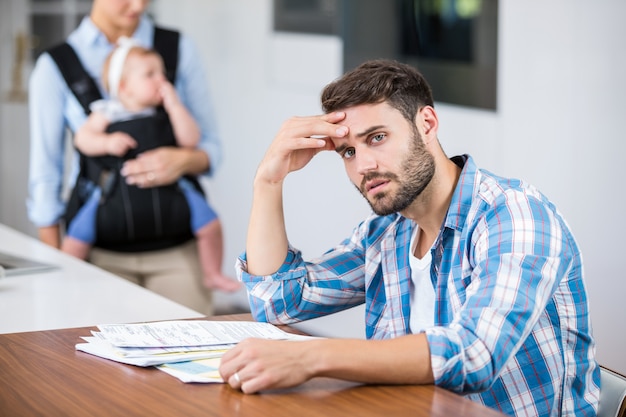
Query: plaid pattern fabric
x=512 y=329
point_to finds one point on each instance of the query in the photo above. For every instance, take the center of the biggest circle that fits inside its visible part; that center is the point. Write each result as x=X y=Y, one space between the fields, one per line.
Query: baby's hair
x=135 y=50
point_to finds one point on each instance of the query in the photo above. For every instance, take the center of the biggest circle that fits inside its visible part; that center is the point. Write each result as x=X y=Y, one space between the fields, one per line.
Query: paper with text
x=188 y=333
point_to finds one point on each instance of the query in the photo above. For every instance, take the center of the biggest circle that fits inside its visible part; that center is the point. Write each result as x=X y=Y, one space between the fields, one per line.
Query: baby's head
x=134 y=75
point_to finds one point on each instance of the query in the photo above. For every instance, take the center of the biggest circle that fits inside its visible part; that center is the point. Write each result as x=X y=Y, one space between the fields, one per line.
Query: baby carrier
x=129 y=218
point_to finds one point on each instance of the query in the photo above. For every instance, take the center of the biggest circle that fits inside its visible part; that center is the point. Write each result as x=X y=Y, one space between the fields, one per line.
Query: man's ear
x=428 y=121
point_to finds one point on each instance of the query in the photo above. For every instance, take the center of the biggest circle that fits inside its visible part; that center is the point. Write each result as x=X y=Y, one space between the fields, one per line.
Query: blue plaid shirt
x=512 y=328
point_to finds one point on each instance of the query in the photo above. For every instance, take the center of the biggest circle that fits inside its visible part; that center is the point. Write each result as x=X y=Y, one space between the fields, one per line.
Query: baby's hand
x=168 y=93
x=118 y=143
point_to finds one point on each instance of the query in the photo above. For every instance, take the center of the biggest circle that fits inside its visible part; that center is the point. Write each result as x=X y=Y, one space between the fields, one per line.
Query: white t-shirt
x=422 y=291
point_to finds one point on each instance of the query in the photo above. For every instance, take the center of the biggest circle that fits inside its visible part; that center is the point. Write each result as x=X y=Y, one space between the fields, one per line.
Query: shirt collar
x=463 y=193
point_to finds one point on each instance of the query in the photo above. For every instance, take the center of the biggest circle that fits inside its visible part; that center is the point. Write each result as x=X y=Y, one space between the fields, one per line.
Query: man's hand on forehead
x=335 y=131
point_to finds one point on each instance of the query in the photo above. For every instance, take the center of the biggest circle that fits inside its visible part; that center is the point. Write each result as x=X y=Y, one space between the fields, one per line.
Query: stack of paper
x=187 y=349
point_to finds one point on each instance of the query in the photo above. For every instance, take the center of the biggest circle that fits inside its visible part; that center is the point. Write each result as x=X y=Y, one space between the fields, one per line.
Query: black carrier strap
x=78 y=80
x=166 y=43
x=84 y=87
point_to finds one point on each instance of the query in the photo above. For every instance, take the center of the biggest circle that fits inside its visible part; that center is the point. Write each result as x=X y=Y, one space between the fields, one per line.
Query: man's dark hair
x=376 y=81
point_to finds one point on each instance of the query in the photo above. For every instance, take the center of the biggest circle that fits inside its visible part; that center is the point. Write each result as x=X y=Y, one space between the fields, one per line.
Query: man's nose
x=365 y=161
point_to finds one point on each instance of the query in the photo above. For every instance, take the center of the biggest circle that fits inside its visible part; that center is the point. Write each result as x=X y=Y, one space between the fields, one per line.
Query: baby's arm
x=186 y=130
x=91 y=138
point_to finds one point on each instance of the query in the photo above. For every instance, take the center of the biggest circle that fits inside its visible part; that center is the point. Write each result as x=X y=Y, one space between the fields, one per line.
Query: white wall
x=13 y=118
x=561 y=91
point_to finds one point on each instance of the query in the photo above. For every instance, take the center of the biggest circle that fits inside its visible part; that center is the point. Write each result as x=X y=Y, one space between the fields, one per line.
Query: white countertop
x=76 y=294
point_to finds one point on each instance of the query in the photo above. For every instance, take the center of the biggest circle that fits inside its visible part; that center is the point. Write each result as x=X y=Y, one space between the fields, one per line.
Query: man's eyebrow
x=339 y=149
x=369 y=130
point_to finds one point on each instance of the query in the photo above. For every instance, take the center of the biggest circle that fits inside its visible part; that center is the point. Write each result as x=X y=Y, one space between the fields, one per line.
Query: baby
x=135 y=79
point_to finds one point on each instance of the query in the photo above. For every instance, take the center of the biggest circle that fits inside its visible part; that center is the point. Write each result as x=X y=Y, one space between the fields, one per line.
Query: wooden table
x=41 y=374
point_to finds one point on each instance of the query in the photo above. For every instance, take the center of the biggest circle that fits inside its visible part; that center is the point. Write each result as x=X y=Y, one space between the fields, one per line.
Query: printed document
x=189 y=350
x=188 y=333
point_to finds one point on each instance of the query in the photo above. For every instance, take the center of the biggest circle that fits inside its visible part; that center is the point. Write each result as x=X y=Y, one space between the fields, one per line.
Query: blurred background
x=531 y=89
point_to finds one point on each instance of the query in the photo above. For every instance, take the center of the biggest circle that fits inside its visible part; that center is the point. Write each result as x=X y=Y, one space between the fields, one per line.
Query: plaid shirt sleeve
x=302 y=290
x=514 y=330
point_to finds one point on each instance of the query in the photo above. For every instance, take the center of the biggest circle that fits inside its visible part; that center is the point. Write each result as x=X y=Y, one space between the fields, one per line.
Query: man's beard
x=417 y=170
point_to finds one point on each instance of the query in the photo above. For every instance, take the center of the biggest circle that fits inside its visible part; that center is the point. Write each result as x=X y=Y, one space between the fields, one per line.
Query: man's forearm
x=403 y=360
x=258 y=364
x=266 y=245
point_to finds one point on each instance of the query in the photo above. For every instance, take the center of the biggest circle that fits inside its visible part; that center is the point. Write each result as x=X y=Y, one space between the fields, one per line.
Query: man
x=174 y=269
x=471 y=281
